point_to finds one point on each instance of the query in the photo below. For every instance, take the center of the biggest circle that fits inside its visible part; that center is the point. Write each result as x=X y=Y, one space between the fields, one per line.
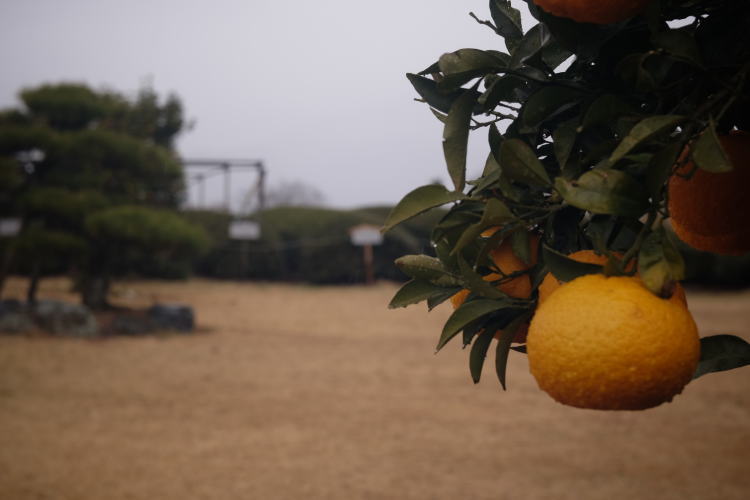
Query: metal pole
x=369 y=273
x=261 y=187
x=227 y=181
x=201 y=190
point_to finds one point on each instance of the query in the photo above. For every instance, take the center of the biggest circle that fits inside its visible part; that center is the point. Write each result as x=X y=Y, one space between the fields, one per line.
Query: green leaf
x=507 y=20
x=644 y=131
x=496 y=213
x=418 y=201
x=503 y=347
x=722 y=352
x=473 y=61
x=660 y=168
x=605 y=191
x=521 y=245
x=530 y=45
x=679 y=44
x=564 y=139
x=660 y=264
x=504 y=89
x=519 y=162
x=547 y=103
x=416 y=291
x=456 y=138
x=708 y=153
x=476 y=283
x=435 y=97
x=605 y=110
x=554 y=54
x=479 y=353
x=583 y=39
x=468 y=312
x=424 y=267
x=566 y=269
x=439 y=297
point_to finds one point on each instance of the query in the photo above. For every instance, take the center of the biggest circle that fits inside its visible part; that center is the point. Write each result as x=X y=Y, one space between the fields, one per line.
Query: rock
x=14 y=318
x=61 y=318
x=172 y=317
x=131 y=324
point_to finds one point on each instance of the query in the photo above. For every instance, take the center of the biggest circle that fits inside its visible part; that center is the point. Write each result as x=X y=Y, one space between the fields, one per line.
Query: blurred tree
x=74 y=161
x=294 y=194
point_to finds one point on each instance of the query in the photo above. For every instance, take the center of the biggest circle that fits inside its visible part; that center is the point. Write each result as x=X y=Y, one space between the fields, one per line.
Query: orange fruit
x=608 y=343
x=709 y=211
x=508 y=263
x=594 y=11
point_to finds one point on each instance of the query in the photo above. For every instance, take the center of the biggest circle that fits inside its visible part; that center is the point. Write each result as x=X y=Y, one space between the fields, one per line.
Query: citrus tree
x=607 y=125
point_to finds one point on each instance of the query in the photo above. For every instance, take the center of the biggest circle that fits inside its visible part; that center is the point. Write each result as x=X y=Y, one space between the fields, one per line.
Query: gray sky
x=315 y=89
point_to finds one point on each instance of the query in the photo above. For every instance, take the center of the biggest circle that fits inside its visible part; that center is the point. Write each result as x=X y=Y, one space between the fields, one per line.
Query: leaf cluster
x=585 y=125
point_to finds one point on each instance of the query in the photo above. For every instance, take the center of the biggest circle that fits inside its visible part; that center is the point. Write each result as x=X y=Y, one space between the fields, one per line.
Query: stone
x=172 y=317
x=62 y=318
x=14 y=317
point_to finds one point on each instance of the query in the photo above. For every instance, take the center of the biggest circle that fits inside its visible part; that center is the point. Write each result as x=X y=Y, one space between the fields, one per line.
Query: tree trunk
x=94 y=291
x=5 y=265
x=33 y=283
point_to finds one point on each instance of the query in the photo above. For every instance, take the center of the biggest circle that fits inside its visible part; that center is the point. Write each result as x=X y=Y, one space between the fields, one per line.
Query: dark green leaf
x=476 y=283
x=496 y=213
x=508 y=88
x=660 y=264
x=519 y=162
x=722 y=352
x=530 y=45
x=438 y=298
x=471 y=61
x=680 y=44
x=418 y=201
x=503 y=347
x=423 y=267
x=521 y=245
x=564 y=138
x=566 y=269
x=604 y=110
x=643 y=131
x=507 y=19
x=468 y=312
x=479 y=353
x=605 y=191
x=435 y=97
x=554 y=54
x=416 y=291
x=456 y=138
x=547 y=103
x=660 y=168
x=708 y=153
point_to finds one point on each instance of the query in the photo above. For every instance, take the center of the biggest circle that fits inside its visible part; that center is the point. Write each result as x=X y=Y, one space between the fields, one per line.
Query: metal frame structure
x=224 y=167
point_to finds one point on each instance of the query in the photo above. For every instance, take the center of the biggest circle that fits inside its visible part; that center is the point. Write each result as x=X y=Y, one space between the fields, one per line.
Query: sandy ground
x=291 y=392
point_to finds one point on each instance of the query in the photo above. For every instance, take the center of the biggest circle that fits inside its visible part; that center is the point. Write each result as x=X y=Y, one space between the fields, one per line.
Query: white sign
x=244 y=230
x=10 y=226
x=366 y=234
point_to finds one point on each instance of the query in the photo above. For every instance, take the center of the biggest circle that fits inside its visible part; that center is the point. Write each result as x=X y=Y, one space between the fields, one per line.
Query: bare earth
x=293 y=392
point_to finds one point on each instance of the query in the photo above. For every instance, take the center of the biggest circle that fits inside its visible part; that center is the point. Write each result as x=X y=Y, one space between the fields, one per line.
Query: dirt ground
x=292 y=392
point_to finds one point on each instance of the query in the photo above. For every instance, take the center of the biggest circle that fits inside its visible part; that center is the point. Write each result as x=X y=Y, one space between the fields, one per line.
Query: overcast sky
x=316 y=89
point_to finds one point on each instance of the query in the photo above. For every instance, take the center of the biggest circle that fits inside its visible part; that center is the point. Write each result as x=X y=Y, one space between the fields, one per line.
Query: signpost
x=244 y=231
x=366 y=236
x=10 y=226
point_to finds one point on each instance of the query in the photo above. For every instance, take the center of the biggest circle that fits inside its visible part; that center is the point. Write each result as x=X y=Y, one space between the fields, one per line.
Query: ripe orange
x=709 y=211
x=609 y=343
x=508 y=263
x=594 y=11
